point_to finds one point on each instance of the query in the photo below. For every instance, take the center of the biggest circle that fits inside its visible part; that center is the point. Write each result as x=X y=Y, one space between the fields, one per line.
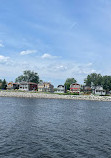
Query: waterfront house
x=98 y=90
x=75 y=88
x=12 y=85
x=16 y=86
x=41 y=87
x=61 y=89
x=28 y=86
x=87 y=89
x=45 y=87
x=9 y=86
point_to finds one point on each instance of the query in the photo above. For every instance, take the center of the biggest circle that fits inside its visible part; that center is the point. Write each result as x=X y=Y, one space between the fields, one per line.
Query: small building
x=98 y=90
x=75 y=88
x=61 y=89
x=28 y=86
x=16 y=85
x=45 y=87
x=87 y=89
x=12 y=85
x=41 y=87
x=9 y=86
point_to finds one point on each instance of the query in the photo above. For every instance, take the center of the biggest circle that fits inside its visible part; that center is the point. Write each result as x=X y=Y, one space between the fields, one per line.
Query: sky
x=58 y=39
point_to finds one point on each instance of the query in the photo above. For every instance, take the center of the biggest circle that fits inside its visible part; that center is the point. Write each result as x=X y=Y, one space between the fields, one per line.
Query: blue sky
x=56 y=38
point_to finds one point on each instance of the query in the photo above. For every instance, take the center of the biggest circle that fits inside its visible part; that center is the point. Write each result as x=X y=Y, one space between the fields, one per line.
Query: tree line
x=28 y=76
x=99 y=80
x=93 y=78
x=3 y=84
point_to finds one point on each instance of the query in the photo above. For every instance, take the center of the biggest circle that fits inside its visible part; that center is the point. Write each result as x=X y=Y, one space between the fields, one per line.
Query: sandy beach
x=53 y=96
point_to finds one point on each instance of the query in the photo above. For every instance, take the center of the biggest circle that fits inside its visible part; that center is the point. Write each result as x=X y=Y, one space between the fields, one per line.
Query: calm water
x=48 y=128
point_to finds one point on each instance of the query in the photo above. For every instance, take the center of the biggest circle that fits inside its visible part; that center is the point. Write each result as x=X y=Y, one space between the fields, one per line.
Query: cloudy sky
x=56 y=38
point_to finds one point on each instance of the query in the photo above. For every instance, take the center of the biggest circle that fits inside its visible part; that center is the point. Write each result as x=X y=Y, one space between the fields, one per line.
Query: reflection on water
x=48 y=128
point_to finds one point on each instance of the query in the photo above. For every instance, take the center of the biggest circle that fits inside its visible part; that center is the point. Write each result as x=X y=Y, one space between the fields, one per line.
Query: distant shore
x=53 y=96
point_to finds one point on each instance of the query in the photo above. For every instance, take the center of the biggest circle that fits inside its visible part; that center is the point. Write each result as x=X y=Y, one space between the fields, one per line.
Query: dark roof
x=60 y=85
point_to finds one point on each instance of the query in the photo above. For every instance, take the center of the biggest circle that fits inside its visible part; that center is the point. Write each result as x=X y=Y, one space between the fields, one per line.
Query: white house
x=98 y=90
x=61 y=89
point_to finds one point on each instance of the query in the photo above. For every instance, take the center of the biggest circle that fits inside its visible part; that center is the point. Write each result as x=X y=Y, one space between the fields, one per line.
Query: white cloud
x=48 y=56
x=61 y=68
x=3 y=59
x=1 y=45
x=64 y=69
x=83 y=69
x=26 y=52
x=54 y=70
x=89 y=64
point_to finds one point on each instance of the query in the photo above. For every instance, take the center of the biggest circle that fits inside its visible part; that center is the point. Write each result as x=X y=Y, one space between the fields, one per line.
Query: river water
x=48 y=128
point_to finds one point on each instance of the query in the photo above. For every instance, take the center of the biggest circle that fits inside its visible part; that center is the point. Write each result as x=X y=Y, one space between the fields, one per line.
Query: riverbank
x=53 y=96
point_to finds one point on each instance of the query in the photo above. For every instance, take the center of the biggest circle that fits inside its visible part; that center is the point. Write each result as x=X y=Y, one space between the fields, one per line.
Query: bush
x=75 y=93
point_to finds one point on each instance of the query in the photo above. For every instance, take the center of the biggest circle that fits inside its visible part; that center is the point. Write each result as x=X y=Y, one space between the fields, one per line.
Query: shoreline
x=54 y=96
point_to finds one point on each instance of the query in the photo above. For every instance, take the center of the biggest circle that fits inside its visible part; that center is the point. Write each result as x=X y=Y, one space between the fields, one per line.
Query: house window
x=98 y=91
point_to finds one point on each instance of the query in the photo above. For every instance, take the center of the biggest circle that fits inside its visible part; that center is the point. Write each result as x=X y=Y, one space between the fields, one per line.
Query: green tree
x=99 y=80
x=4 y=84
x=106 y=82
x=68 y=82
x=94 y=78
x=28 y=76
x=0 y=83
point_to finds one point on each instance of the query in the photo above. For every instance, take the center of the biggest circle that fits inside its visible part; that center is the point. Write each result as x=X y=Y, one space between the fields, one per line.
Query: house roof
x=60 y=86
x=16 y=83
x=97 y=87
x=32 y=83
x=28 y=83
x=87 y=87
x=75 y=84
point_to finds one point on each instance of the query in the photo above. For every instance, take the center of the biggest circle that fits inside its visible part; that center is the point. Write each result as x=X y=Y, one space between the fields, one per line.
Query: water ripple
x=48 y=128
